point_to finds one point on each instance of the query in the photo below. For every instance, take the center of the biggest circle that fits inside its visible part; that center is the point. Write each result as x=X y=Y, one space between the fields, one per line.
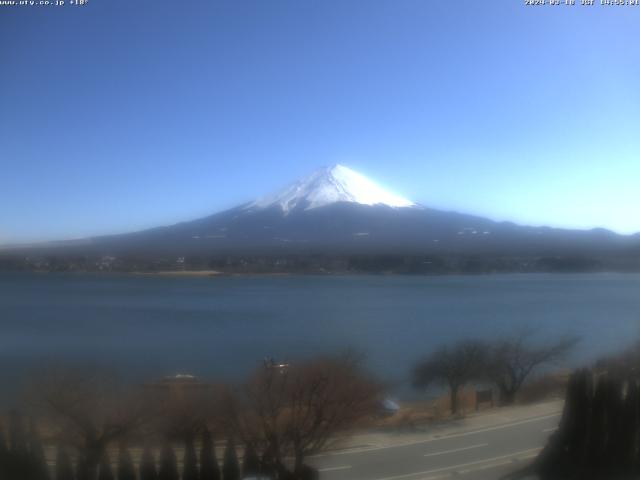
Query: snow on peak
x=330 y=185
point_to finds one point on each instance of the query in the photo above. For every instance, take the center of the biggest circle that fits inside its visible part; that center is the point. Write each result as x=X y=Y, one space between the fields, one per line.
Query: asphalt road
x=480 y=454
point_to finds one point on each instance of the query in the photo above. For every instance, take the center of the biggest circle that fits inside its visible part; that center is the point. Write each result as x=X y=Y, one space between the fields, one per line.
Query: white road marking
x=490 y=466
x=332 y=469
x=490 y=429
x=461 y=449
x=444 y=437
x=461 y=465
x=437 y=477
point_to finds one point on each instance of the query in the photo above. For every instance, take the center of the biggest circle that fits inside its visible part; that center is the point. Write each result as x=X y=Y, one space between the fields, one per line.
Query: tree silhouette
x=597 y=438
x=91 y=410
x=17 y=461
x=105 y=472
x=64 y=468
x=126 y=469
x=83 y=470
x=148 y=470
x=630 y=428
x=209 y=469
x=452 y=366
x=39 y=468
x=190 y=462
x=168 y=464
x=511 y=361
x=308 y=473
x=230 y=465
x=3 y=443
x=293 y=411
x=17 y=434
x=251 y=462
x=4 y=455
x=269 y=464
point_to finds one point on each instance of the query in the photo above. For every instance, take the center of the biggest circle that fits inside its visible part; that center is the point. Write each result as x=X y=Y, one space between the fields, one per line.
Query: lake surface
x=223 y=327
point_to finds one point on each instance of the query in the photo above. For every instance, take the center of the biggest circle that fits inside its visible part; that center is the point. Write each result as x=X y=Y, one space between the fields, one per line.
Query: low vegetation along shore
x=422 y=264
x=274 y=421
x=89 y=426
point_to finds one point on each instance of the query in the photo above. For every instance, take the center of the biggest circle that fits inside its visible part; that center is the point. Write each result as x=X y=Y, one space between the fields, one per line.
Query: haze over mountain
x=336 y=210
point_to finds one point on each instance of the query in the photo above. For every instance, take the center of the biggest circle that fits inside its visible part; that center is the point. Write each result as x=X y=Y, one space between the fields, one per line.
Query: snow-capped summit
x=330 y=185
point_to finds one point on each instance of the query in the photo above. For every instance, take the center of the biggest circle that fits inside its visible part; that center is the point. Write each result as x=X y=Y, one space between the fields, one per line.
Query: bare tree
x=89 y=410
x=512 y=360
x=295 y=411
x=453 y=367
x=186 y=408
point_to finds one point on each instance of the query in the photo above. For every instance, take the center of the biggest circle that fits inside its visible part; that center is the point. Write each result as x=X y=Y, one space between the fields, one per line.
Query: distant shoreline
x=181 y=273
x=201 y=273
x=222 y=274
x=327 y=264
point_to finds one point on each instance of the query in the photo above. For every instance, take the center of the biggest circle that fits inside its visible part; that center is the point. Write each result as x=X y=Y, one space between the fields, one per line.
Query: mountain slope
x=336 y=211
x=345 y=227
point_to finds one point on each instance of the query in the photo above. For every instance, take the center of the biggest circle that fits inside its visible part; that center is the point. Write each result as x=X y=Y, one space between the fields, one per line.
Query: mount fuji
x=330 y=185
x=337 y=212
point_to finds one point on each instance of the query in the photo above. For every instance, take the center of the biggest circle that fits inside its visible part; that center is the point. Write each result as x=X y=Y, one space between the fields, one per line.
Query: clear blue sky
x=122 y=115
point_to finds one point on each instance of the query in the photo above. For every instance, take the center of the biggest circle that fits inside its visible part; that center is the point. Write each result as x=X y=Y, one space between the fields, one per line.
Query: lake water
x=223 y=327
